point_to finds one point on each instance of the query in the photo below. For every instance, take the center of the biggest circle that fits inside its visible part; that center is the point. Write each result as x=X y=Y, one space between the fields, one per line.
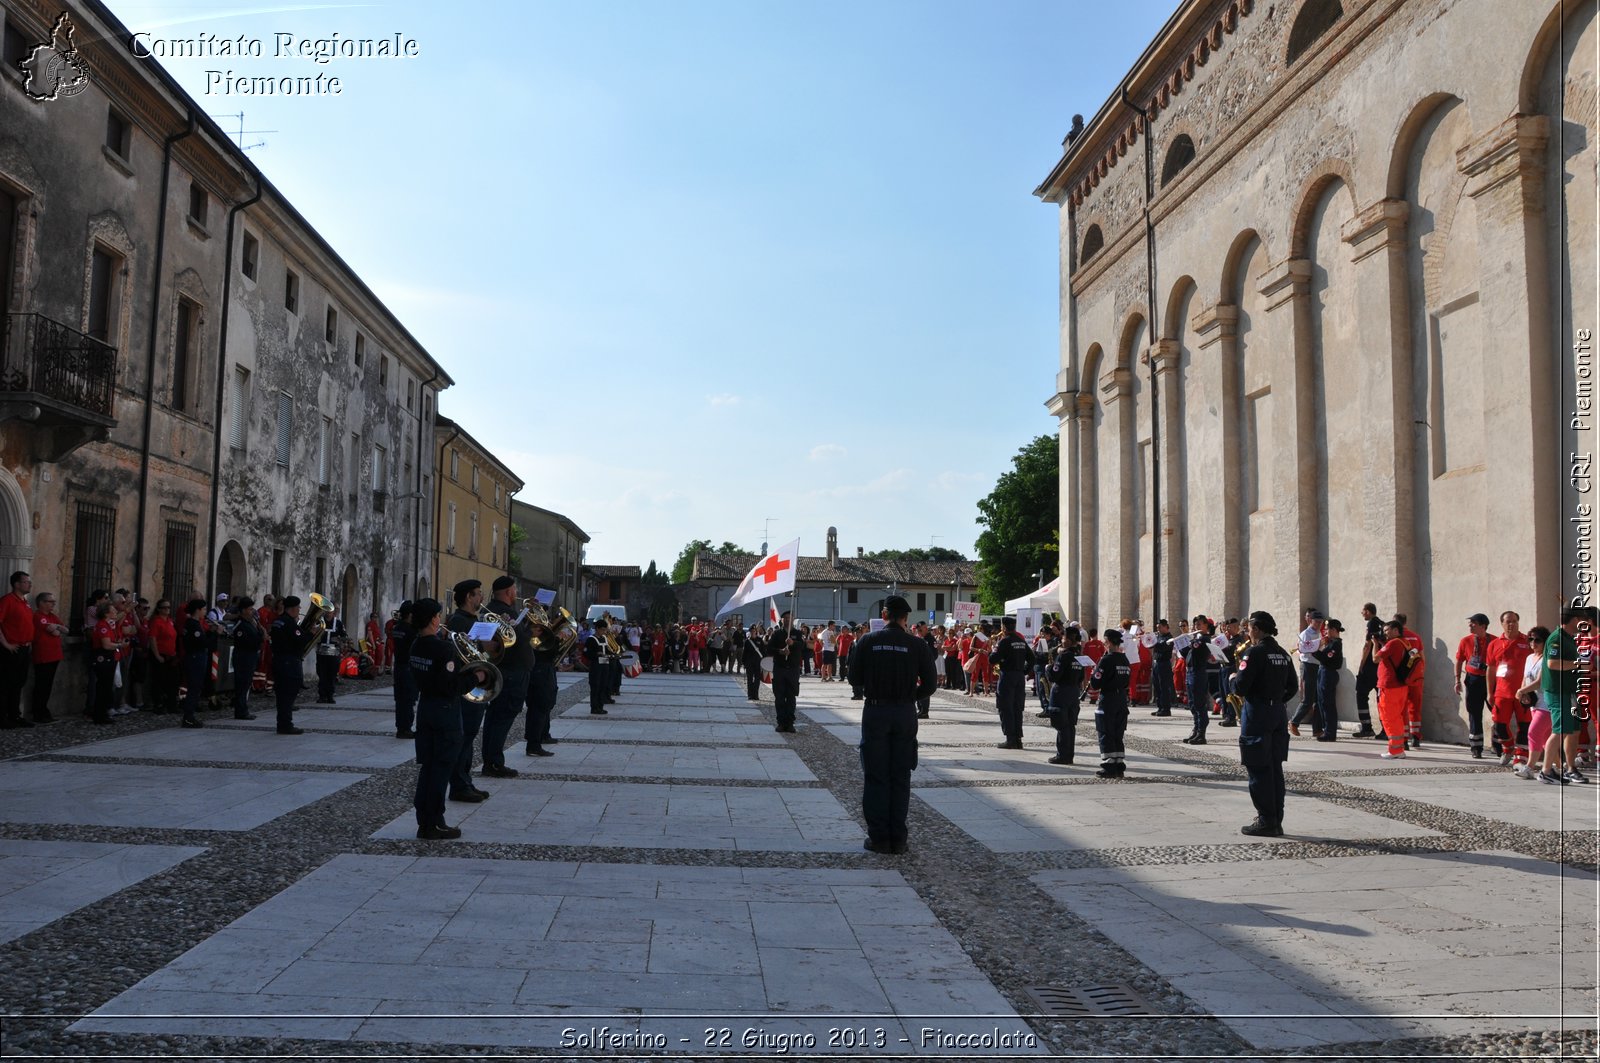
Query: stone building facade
x=197 y=394
x=550 y=556
x=1326 y=267
x=472 y=510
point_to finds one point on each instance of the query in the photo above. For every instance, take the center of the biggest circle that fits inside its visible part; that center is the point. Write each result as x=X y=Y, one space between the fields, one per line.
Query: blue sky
x=697 y=265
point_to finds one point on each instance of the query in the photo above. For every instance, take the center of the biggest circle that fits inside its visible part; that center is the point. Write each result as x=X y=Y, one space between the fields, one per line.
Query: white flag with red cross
x=771 y=576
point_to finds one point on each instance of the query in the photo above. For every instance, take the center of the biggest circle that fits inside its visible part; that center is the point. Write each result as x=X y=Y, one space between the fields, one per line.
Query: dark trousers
x=104 y=686
x=502 y=714
x=471 y=721
x=541 y=700
x=1308 y=702
x=1366 y=683
x=439 y=743
x=1110 y=724
x=954 y=677
x=1064 y=718
x=136 y=669
x=888 y=756
x=1198 y=683
x=244 y=668
x=1011 y=695
x=1476 y=689
x=405 y=697
x=13 y=675
x=1229 y=716
x=1266 y=790
x=616 y=678
x=91 y=689
x=167 y=679
x=786 y=694
x=1328 y=702
x=195 y=667
x=1161 y=680
x=599 y=677
x=752 y=684
x=44 y=681
x=327 y=675
x=286 y=683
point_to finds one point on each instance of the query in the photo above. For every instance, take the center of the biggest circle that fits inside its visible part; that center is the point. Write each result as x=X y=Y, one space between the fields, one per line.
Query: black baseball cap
x=502 y=582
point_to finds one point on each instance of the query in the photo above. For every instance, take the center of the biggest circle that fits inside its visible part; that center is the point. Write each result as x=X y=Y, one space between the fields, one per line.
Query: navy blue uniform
x=1161 y=674
x=750 y=654
x=789 y=654
x=541 y=696
x=516 y=665
x=471 y=713
x=598 y=655
x=891 y=668
x=196 y=650
x=1111 y=678
x=1266 y=681
x=287 y=667
x=1198 y=668
x=405 y=681
x=1066 y=679
x=1012 y=655
x=247 y=639
x=440 y=683
x=1330 y=662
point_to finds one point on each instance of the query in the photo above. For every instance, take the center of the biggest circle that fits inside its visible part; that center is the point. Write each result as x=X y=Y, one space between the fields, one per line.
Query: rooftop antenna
x=766 y=534
x=242 y=131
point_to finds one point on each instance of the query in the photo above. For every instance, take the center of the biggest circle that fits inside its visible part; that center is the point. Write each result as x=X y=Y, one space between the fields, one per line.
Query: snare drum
x=630 y=666
x=766 y=669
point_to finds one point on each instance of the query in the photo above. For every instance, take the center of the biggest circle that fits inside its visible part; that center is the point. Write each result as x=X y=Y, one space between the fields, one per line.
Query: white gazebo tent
x=1047 y=598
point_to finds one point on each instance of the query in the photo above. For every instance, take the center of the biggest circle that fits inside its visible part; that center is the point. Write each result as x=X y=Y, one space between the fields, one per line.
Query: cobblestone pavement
x=680 y=879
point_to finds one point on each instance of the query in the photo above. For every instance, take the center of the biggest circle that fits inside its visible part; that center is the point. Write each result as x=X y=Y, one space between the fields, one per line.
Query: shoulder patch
x=449 y=666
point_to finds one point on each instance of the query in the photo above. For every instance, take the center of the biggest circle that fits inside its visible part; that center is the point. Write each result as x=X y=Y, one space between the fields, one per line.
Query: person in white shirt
x=1310 y=642
x=829 y=637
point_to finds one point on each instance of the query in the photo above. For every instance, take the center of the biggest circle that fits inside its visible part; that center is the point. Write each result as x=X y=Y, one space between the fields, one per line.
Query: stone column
x=1217 y=331
x=1505 y=171
x=1390 y=540
x=1063 y=404
x=1122 y=538
x=1088 y=526
x=1169 y=540
x=1286 y=286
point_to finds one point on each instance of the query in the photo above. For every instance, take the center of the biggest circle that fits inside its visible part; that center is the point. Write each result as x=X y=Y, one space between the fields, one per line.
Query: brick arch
x=1316 y=183
x=1172 y=322
x=1545 y=44
x=1090 y=370
x=1231 y=281
x=1127 y=357
x=1405 y=139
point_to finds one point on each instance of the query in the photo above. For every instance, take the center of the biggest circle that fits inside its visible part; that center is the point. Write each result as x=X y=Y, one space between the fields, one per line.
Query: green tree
x=514 y=536
x=918 y=553
x=683 y=568
x=1020 y=518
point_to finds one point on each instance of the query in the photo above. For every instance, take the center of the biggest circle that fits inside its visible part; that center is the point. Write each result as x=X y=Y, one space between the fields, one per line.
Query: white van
x=618 y=612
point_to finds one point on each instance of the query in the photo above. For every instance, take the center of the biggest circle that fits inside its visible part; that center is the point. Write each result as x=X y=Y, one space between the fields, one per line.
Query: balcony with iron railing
x=59 y=380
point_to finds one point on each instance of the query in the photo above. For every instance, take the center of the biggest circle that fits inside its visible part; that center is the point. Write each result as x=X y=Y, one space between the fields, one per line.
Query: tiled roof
x=616 y=571
x=732 y=568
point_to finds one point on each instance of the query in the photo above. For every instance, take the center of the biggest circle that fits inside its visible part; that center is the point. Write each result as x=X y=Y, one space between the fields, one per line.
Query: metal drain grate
x=1061 y=1002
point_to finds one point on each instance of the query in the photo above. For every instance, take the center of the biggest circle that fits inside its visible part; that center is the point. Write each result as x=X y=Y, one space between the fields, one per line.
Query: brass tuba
x=558 y=625
x=470 y=657
x=507 y=636
x=313 y=622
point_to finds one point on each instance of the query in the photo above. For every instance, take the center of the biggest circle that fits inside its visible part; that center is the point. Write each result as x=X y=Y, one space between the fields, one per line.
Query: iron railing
x=50 y=359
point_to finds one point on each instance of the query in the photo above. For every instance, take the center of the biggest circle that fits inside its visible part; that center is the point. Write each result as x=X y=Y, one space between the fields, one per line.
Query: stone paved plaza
x=681 y=880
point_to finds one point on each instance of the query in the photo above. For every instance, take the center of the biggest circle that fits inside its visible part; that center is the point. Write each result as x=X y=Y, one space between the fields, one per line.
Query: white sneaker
x=1386 y=755
x=1505 y=759
x=1523 y=772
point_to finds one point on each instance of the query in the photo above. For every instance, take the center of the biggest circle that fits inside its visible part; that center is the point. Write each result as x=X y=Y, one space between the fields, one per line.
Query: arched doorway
x=232 y=577
x=349 y=606
x=16 y=534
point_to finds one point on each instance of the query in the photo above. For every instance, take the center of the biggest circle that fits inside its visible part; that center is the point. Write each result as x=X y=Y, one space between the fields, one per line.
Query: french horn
x=471 y=658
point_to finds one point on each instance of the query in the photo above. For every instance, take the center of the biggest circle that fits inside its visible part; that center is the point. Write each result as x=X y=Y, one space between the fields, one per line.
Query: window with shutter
x=236 y=406
x=323 y=462
x=285 y=426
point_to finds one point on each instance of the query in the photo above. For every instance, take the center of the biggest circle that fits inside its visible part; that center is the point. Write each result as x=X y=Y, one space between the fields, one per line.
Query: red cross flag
x=772 y=575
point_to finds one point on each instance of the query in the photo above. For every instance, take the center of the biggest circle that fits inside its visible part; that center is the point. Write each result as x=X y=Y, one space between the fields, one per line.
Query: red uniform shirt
x=1506 y=661
x=105 y=631
x=1472 y=655
x=46 y=647
x=1414 y=640
x=846 y=640
x=16 y=620
x=1389 y=658
x=164 y=637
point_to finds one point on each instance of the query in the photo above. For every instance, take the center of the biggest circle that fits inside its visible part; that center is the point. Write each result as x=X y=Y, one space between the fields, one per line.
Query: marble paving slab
x=1296 y=954
x=689 y=712
x=615 y=727
x=1119 y=815
x=41 y=881
x=139 y=795
x=370 y=948
x=236 y=746
x=958 y=765
x=366 y=721
x=649 y=816
x=974 y=735
x=671 y=762
x=1497 y=795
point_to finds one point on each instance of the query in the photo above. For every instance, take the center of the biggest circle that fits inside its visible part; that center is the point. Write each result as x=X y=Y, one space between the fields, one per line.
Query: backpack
x=1403 y=669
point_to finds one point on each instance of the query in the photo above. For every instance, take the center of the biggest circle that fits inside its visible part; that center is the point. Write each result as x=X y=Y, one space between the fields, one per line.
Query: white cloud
x=724 y=400
x=826 y=451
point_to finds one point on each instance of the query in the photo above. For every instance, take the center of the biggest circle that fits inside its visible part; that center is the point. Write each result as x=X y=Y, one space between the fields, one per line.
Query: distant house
x=610 y=584
x=831 y=587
